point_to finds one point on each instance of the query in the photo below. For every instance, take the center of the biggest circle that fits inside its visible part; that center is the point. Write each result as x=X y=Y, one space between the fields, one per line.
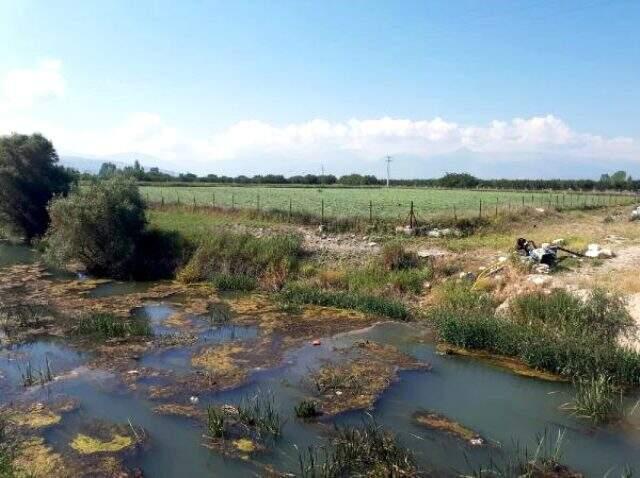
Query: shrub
x=99 y=226
x=29 y=178
x=268 y=259
x=300 y=295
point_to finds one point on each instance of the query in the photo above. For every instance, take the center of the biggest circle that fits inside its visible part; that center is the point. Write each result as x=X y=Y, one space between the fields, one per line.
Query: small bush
x=268 y=259
x=103 y=325
x=159 y=254
x=394 y=257
x=307 y=409
x=345 y=300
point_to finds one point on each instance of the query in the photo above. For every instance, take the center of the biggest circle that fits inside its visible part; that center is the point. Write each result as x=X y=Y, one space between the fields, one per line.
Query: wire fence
x=340 y=206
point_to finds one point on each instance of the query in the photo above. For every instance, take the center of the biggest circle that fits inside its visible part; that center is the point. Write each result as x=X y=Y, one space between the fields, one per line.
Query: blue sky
x=195 y=83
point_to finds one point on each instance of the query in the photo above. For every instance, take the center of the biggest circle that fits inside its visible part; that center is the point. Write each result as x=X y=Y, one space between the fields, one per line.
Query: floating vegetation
x=105 y=325
x=368 y=450
x=87 y=445
x=435 y=421
x=35 y=417
x=358 y=382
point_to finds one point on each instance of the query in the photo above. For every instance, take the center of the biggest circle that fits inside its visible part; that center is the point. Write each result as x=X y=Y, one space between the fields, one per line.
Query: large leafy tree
x=99 y=225
x=29 y=178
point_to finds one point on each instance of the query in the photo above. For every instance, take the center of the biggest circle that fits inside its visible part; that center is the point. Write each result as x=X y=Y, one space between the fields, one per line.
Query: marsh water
x=509 y=411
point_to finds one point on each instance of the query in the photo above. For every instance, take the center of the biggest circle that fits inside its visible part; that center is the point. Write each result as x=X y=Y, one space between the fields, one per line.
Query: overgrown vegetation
x=104 y=325
x=31 y=376
x=301 y=295
x=260 y=413
x=368 y=450
x=231 y=259
x=541 y=333
x=29 y=178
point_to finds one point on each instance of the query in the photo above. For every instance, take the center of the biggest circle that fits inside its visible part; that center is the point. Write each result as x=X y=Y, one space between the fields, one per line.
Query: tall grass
x=300 y=295
x=259 y=412
x=598 y=399
x=215 y=422
x=465 y=318
x=269 y=260
x=104 y=325
x=8 y=448
x=368 y=450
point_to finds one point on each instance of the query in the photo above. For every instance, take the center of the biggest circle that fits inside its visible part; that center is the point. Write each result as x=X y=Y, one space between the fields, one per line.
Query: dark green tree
x=29 y=178
x=107 y=170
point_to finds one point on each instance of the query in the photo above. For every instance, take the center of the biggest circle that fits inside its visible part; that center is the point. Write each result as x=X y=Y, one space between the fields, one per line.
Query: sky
x=284 y=86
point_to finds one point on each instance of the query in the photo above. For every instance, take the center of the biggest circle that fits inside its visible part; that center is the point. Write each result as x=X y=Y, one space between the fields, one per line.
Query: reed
x=104 y=325
x=259 y=413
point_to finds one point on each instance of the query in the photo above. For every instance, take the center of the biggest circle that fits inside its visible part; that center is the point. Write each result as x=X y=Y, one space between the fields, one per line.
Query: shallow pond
x=502 y=407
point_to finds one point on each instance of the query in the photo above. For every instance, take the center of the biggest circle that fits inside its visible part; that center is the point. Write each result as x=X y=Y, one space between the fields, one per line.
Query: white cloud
x=372 y=138
x=22 y=88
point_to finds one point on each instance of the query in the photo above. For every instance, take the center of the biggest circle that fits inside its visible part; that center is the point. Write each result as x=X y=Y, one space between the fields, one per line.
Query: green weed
x=307 y=409
x=260 y=414
x=598 y=399
x=104 y=325
x=376 y=305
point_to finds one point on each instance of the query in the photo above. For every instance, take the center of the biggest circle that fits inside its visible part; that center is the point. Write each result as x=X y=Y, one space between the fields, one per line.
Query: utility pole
x=388 y=160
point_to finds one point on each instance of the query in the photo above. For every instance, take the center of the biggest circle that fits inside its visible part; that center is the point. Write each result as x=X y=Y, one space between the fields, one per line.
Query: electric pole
x=388 y=160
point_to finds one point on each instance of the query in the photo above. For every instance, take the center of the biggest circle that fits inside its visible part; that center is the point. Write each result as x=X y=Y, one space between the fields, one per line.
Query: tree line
x=619 y=180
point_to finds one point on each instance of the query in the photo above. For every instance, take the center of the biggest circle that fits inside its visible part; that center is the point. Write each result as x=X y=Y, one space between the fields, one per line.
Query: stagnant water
x=502 y=407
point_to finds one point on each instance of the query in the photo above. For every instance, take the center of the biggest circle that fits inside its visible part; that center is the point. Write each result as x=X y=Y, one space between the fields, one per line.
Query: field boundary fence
x=403 y=212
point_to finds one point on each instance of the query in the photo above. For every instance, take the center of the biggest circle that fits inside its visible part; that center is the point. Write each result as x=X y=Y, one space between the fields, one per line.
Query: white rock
x=539 y=209
x=502 y=259
x=372 y=244
x=557 y=242
x=194 y=400
x=434 y=233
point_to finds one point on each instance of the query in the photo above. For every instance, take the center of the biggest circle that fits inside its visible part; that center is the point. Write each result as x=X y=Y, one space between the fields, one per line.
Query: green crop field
x=377 y=203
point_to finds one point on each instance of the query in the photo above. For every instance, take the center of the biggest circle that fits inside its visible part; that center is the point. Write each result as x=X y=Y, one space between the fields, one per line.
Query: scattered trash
x=476 y=441
x=315 y=343
x=321 y=228
x=502 y=259
x=546 y=254
x=194 y=400
x=542 y=269
x=470 y=276
x=372 y=244
x=557 y=242
x=539 y=209
x=133 y=372
x=338 y=392
x=635 y=214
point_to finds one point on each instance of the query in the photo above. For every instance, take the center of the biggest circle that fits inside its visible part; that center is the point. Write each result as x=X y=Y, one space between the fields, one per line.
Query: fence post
x=455 y=214
x=497 y=207
x=258 y=201
x=233 y=200
x=480 y=210
x=178 y=198
x=213 y=199
x=322 y=211
x=289 y=210
x=522 y=202
x=412 y=217
x=161 y=201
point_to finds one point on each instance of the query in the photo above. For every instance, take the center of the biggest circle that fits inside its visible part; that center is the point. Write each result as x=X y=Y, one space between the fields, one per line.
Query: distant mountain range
x=533 y=165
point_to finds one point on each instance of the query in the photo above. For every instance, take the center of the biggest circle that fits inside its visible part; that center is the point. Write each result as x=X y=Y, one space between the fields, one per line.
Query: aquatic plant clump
x=598 y=399
x=104 y=325
x=368 y=450
x=302 y=295
x=307 y=409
